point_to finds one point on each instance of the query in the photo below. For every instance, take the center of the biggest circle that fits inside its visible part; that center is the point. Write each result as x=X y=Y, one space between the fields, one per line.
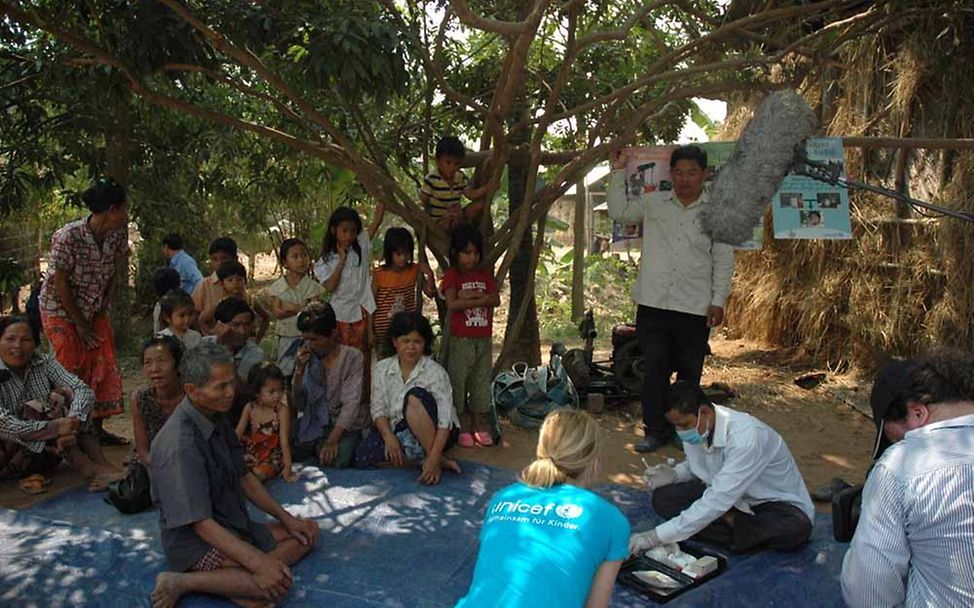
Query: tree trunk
x=117 y=134
x=578 y=259
x=526 y=346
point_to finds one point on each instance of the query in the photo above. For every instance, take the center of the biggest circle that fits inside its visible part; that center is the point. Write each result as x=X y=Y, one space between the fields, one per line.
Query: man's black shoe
x=651 y=444
x=825 y=492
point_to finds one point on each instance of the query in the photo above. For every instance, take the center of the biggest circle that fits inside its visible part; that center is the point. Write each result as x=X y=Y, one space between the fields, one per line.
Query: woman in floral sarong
x=76 y=293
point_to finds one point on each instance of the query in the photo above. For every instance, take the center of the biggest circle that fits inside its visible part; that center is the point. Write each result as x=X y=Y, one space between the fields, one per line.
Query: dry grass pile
x=905 y=283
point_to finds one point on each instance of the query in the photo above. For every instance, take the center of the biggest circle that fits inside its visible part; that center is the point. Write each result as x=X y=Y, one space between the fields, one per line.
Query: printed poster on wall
x=804 y=208
x=649 y=171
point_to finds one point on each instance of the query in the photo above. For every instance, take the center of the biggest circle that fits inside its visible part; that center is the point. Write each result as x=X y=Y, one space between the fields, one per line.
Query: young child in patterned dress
x=265 y=425
x=289 y=294
x=394 y=285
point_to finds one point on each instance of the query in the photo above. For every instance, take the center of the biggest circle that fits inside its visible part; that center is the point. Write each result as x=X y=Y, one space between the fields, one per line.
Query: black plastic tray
x=637 y=563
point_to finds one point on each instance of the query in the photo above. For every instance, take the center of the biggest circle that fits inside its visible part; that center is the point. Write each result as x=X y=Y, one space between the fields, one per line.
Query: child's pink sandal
x=483 y=438
x=465 y=440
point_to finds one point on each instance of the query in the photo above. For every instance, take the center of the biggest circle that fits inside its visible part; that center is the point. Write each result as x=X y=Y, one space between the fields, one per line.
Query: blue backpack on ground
x=526 y=395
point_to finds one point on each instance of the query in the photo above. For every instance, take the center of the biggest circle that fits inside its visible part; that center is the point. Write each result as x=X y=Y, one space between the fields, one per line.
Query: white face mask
x=693 y=436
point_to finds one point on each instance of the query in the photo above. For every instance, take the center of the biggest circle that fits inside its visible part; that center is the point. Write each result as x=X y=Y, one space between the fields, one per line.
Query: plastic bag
x=131 y=494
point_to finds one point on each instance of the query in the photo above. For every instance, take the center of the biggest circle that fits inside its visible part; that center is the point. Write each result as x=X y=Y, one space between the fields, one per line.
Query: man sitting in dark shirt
x=199 y=482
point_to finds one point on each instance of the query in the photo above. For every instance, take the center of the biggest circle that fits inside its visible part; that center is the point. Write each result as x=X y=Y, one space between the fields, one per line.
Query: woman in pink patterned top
x=75 y=297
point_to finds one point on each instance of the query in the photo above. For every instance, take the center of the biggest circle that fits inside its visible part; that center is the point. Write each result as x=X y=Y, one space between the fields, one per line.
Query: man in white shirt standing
x=684 y=280
x=914 y=544
x=739 y=486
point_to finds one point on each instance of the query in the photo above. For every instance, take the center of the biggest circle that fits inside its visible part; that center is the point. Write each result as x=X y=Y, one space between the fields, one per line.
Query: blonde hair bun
x=569 y=443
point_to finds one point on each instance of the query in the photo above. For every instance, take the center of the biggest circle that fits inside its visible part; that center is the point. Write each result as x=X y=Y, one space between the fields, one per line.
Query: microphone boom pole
x=831 y=173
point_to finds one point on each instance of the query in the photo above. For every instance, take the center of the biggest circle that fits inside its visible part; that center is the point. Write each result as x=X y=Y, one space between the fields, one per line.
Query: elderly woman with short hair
x=44 y=413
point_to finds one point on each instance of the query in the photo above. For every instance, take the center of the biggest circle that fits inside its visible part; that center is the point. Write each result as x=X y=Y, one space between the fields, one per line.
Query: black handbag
x=131 y=494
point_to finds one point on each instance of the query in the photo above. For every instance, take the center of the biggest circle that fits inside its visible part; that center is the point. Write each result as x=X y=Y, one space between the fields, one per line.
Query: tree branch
x=247 y=59
x=236 y=84
x=522 y=309
x=727 y=31
x=432 y=63
x=374 y=179
x=504 y=28
x=622 y=32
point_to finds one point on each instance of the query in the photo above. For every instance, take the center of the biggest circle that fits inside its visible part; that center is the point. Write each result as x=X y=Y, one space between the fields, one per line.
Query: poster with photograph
x=804 y=208
x=649 y=171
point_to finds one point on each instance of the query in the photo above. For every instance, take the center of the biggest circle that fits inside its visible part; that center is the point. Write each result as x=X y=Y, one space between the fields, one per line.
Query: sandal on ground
x=465 y=440
x=45 y=481
x=483 y=438
x=32 y=485
x=106 y=438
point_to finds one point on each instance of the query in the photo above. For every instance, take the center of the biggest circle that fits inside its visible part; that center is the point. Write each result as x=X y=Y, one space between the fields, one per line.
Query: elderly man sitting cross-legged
x=199 y=482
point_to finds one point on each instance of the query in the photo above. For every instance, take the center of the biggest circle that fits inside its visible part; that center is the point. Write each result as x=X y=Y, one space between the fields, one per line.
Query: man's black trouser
x=670 y=341
x=774 y=525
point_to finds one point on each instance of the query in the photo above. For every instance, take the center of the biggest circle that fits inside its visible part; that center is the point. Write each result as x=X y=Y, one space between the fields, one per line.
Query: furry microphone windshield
x=764 y=153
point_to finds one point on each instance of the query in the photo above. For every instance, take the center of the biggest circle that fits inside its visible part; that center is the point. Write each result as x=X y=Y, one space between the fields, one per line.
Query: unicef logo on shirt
x=569 y=511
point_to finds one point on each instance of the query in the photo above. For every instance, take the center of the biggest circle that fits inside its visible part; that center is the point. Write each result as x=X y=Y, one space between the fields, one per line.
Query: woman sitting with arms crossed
x=548 y=540
x=43 y=414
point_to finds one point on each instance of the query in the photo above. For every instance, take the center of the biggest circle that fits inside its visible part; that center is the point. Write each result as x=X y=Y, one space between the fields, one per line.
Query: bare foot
x=101 y=482
x=449 y=463
x=168 y=590
x=80 y=461
x=107 y=470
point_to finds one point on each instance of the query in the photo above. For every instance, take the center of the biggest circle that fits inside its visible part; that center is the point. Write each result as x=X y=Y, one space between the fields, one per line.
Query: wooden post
x=578 y=261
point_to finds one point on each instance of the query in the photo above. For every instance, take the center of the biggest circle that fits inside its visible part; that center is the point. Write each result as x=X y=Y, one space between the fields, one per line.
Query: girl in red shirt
x=471 y=296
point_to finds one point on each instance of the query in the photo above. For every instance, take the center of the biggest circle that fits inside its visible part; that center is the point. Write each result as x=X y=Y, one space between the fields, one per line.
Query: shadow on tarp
x=45 y=563
x=386 y=541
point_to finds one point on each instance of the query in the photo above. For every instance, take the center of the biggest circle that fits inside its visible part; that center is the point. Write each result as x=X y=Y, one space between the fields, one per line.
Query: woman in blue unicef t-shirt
x=549 y=541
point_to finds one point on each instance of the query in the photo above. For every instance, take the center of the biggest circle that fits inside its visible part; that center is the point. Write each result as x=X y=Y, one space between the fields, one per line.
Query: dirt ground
x=824 y=428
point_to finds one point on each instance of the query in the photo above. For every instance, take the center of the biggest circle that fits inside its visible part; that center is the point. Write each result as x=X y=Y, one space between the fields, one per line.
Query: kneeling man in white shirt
x=914 y=545
x=739 y=486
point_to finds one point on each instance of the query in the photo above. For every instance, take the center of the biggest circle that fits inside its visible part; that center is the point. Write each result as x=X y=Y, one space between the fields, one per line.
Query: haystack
x=905 y=283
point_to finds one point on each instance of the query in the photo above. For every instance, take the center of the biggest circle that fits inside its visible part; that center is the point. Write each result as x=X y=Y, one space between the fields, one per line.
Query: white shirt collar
x=957 y=421
x=396 y=370
x=719 y=432
x=701 y=200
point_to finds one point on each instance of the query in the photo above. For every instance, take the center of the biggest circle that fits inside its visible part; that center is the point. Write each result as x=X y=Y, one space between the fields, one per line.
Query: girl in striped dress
x=394 y=286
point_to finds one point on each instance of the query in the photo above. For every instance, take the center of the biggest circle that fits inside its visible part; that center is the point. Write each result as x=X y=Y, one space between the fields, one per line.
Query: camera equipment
x=846 y=508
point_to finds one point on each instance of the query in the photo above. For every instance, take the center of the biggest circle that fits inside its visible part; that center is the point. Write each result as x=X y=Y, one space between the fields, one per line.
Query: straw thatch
x=906 y=282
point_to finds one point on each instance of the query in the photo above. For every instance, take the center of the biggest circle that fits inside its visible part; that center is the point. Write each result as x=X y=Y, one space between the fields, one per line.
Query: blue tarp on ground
x=386 y=541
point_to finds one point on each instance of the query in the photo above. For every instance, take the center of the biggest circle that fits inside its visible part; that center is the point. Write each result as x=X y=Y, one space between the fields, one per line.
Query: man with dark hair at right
x=914 y=544
x=684 y=280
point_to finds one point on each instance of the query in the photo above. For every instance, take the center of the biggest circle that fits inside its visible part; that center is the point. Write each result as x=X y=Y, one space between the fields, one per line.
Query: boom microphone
x=761 y=159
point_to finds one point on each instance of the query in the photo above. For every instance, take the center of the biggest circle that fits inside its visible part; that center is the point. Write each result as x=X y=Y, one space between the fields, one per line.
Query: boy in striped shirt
x=443 y=189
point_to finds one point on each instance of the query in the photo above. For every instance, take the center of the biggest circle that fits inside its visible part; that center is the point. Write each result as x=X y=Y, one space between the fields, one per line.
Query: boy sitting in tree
x=444 y=188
